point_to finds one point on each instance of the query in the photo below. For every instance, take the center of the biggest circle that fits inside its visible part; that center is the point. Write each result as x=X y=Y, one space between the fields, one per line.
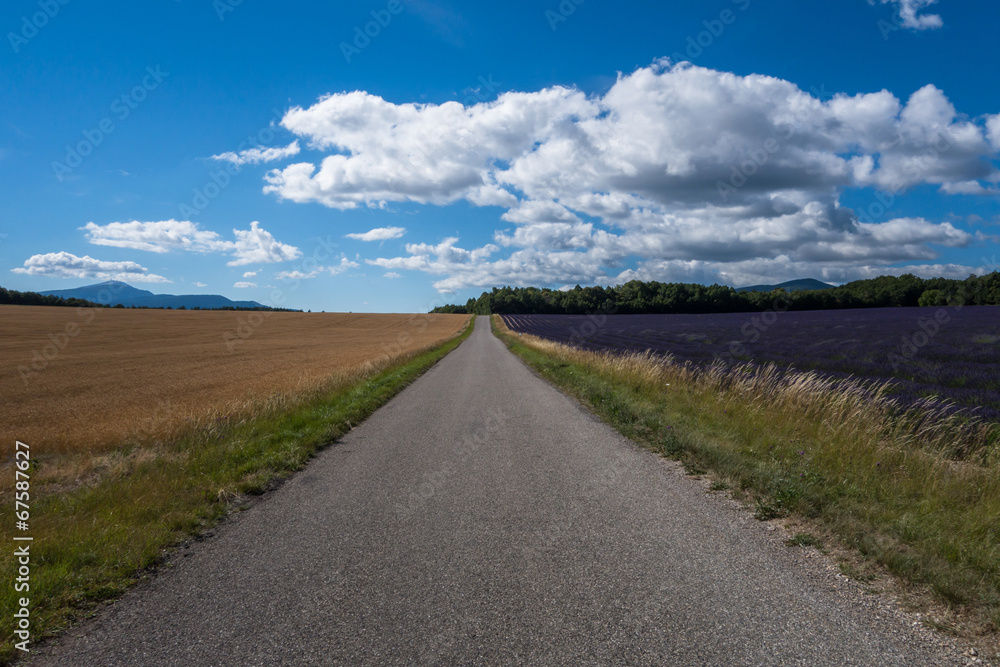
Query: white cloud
x=67 y=265
x=344 y=265
x=296 y=275
x=379 y=234
x=678 y=166
x=200 y=284
x=258 y=154
x=910 y=16
x=534 y=211
x=416 y=152
x=244 y=285
x=968 y=188
x=554 y=235
x=337 y=269
x=253 y=246
x=258 y=246
x=161 y=236
x=250 y=274
x=392 y=275
x=993 y=131
x=777 y=250
x=780 y=269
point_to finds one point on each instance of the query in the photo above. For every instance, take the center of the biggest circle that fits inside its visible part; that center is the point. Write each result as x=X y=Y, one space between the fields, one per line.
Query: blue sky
x=273 y=151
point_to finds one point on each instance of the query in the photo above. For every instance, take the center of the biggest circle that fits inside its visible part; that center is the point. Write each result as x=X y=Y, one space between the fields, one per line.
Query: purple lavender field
x=951 y=353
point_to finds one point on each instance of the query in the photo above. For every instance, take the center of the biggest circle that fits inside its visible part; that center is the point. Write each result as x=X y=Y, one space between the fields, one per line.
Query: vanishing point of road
x=482 y=517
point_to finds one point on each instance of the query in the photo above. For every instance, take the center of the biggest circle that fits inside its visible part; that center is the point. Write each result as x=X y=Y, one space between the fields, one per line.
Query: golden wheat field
x=81 y=379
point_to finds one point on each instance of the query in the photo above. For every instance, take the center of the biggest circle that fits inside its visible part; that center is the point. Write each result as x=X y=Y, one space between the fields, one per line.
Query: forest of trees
x=12 y=297
x=637 y=297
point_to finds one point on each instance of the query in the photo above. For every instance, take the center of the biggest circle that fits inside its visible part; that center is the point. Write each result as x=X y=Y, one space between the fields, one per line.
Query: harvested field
x=80 y=379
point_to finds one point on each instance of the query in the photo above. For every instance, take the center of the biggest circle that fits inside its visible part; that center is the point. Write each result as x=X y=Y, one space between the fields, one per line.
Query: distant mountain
x=802 y=285
x=114 y=292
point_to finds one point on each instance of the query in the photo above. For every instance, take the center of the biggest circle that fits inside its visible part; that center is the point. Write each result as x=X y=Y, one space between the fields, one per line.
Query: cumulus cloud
x=252 y=246
x=676 y=165
x=379 y=234
x=250 y=274
x=160 y=236
x=779 y=269
x=910 y=16
x=993 y=131
x=244 y=285
x=334 y=270
x=296 y=275
x=258 y=246
x=417 y=152
x=392 y=275
x=258 y=155
x=200 y=284
x=344 y=265
x=968 y=188
x=68 y=265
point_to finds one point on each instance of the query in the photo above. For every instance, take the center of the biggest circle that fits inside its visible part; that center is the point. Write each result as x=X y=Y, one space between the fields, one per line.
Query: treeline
x=12 y=297
x=239 y=308
x=15 y=298
x=637 y=297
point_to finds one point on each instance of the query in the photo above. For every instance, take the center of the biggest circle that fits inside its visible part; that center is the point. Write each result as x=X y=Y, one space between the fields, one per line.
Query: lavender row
x=952 y=353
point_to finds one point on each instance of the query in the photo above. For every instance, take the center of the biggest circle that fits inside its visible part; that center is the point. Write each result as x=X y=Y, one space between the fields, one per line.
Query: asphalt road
x=482 y=517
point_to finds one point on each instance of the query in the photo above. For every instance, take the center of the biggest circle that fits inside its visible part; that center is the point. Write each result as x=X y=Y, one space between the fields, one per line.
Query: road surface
x=482 y=517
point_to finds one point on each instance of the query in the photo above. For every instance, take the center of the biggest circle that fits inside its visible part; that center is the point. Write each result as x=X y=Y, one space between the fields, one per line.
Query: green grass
x=803 y=540
x=913 y=493
x=93 y=543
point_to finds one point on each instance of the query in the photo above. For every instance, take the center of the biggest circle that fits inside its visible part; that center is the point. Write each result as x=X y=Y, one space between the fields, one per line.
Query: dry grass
x=855 y=412
x=133 y=376
x=916 y=491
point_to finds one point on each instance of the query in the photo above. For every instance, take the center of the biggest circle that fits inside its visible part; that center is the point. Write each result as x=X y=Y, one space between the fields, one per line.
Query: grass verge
x=94 y=542
x=917 y=494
